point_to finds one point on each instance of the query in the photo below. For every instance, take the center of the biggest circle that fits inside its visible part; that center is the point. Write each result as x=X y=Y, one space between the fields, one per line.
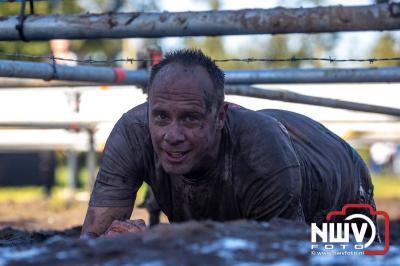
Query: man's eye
x=160 y=117
x=191 y=119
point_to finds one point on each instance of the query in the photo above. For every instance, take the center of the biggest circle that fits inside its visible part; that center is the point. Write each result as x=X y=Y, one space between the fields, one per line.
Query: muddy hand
x=128 y=226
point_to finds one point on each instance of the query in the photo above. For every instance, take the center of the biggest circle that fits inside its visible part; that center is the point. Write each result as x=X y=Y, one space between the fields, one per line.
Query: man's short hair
x=194 y=57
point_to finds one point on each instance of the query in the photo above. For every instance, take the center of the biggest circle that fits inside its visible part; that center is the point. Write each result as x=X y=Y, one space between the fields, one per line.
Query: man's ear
x=222 y=115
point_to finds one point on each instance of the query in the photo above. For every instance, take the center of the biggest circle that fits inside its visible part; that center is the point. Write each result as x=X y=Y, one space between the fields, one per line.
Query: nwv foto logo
x=337 y=235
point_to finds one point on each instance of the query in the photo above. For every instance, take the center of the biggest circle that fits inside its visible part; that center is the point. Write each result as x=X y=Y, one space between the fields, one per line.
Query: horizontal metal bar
x=288 y=96
x=319 y=75
x=46 y=71
x=47 y=125
x=326 y=75
x=354 y=122
x=37 y=83
x=107 y=75
x=19 y=1
x=206 y=23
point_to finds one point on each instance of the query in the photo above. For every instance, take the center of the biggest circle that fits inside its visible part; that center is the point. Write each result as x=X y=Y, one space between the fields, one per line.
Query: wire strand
x=292 y=59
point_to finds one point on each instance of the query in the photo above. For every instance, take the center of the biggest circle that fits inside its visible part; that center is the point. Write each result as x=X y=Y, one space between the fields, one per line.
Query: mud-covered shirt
x=271 y=163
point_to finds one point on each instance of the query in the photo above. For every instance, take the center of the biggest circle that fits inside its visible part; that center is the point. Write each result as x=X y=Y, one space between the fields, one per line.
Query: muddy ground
x=33 y=241
x=43 y=214
x=279 y=242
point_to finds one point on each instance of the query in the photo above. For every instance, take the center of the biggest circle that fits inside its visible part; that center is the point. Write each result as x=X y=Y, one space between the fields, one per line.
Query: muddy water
x=278 y=242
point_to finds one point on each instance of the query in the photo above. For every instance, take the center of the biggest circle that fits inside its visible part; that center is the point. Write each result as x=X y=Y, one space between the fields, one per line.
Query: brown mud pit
x=279 y=242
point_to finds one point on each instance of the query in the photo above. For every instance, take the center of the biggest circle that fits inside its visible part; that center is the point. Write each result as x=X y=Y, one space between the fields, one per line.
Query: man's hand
x=98 y=219
x=118 y=227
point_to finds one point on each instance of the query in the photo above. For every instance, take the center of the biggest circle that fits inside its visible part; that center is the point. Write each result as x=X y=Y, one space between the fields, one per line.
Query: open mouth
x=176 y=156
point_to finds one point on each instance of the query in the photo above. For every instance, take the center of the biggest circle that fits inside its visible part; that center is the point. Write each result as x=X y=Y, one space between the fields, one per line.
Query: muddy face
x=184 y=133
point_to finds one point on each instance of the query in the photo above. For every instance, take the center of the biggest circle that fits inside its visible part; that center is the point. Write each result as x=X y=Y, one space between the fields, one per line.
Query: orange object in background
x=103 y=87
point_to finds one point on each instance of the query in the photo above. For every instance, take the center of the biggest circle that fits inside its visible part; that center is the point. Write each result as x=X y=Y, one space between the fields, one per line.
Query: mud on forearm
x=98 y=219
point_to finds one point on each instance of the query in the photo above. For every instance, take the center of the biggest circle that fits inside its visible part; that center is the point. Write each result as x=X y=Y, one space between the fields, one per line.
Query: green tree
x=212 y=46
x=215 y=48
x=300 y=45
x=386 y=47
x=97 y=49
x=271 y=47
x=39 y=47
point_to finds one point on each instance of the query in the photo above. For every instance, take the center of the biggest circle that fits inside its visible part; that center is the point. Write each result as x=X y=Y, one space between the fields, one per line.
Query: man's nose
x=174 y=134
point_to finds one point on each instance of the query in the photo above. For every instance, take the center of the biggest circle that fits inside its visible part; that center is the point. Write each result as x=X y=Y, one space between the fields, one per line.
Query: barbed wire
x=296 y=59
x=130 y=60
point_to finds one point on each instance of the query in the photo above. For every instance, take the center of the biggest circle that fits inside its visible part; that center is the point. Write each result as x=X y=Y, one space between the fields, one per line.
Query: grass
x=21 y=194
x=62 y=177
x=62 y=181
x=140 y=194
x=386 y=186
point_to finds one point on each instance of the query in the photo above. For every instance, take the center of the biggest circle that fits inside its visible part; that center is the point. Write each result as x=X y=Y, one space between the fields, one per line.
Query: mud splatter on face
x=183 y=131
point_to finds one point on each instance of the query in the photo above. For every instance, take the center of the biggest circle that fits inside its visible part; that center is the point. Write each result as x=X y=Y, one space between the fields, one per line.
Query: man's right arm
x=99 y=219
x=118 y=180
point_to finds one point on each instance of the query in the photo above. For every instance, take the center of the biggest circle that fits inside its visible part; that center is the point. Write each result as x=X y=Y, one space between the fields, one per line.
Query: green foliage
x=20 y=194
x=365 y=155
x=386 y=47
x=101 y=49
x=299 y=45
x=214 y=47
x=271 y=47
x=386 y=186
x=61 y=176
x=140 y=194
x=8 y=9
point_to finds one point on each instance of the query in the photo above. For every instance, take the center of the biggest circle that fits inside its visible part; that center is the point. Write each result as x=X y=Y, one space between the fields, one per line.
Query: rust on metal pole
x=206 y=23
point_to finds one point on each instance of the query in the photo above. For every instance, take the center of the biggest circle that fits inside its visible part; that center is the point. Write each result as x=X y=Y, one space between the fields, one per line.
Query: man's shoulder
x=243 y=120
x=260 y=140
x=134 y=118
x=136 y=115
x=133 y=125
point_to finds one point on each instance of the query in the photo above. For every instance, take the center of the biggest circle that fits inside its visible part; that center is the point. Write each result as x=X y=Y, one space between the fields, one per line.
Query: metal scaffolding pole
x=72 y=163
x=108 y=75
x=48 y=125
x=91 y=159
x=325 y=75
x=288 y=96
x=46 y=71
x=206 y=23
x=37 y=83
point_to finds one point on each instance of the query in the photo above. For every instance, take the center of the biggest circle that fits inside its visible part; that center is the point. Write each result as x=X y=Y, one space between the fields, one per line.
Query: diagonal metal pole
x=206 y=23
x=288 y=96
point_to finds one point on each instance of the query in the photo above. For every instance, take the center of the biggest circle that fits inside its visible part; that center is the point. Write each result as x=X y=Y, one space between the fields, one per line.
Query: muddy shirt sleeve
x=270 y=182
x=119 y=176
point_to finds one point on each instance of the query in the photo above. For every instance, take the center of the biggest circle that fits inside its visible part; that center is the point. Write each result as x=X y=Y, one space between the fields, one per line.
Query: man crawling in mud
x=208 y=159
